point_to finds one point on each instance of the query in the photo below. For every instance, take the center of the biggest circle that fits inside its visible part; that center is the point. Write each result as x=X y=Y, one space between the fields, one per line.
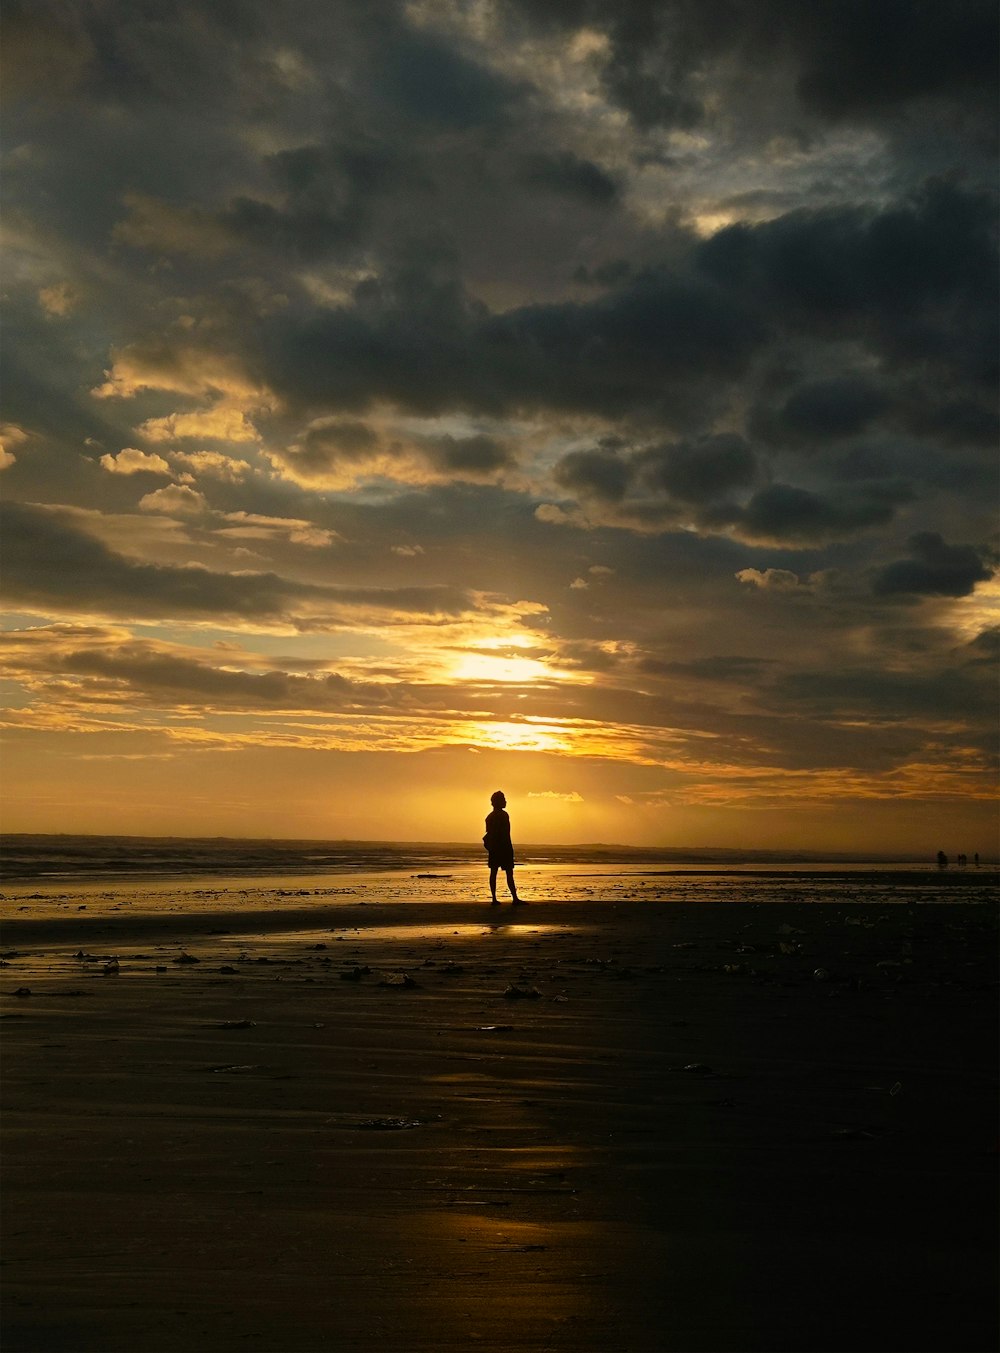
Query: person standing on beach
x=500 y=848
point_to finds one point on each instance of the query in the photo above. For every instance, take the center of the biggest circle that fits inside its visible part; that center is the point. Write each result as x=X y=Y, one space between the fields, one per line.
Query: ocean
x=197 y=872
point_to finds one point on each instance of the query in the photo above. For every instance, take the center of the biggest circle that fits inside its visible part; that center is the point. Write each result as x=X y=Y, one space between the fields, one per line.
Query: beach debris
x=236 y=1024
x=515 y=993
x=397 y=980
x=820 y=975
x=317 y=946
x=493 y=1028
x=735 y=968
x=185 y=957
x=22 y=992
x=111 y=969
x=895 y=1088
x=561 y=997
x=698 y=1069
x=229 y=1070
x=789 y=947
x=378 y=1124
x=226 y=968
x=355 y=974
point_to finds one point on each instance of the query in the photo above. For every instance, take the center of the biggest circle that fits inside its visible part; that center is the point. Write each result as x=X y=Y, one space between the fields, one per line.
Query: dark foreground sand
x=685 y=1141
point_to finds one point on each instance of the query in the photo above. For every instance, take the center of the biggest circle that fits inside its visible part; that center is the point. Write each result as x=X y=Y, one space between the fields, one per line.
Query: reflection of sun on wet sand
x=695 y=1127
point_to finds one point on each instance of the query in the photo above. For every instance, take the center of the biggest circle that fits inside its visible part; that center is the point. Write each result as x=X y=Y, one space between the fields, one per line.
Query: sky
x=592 y=399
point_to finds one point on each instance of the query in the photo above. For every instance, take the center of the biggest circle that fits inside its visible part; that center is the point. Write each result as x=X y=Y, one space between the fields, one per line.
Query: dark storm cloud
x=50 y=562
x=159 y=674
x=821 y=411
x=699 y=471
x=467 y=455
x=918 y=281
x=784 y=512
x=847 y=59
x=427 y=79
x=961 y=692
x=568 y=174
x=599 y=473
x=734 y=669
x=662 y=342
x=934 y=569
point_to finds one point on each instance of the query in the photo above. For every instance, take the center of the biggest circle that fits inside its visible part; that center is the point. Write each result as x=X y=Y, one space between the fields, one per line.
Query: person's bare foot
x=518 y=902
x=495 y=903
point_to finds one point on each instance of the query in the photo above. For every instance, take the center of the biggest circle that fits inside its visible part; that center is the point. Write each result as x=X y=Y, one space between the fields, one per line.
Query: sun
x=504 y=660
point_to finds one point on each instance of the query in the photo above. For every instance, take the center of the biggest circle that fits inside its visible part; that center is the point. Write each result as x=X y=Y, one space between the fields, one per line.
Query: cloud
x=599 y=473
x=213 y=464
x=253 y=526
x=556 y=795
x=174 y=362
x=661 y=342
x=10 y=435
x=821 y=411
x=920 y=276
x=131 y=461
x=174 y=500
x=224 y=423
x=934 y=569
x=566 y=173
x=166 y=228
x=699 y=471
x=341 y=453
x=841 y=61
x=770 y=579
x=786 y=513
x=58 y=300
x=51 y=563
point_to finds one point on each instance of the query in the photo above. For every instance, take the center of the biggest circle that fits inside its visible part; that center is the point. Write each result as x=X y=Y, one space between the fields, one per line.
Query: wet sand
x=580 y=1126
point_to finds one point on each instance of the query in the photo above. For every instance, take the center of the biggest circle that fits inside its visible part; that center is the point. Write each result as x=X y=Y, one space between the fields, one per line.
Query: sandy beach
x=307 y=1124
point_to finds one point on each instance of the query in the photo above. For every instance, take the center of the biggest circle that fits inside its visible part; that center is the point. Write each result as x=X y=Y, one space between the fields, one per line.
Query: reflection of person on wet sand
x=501 y=851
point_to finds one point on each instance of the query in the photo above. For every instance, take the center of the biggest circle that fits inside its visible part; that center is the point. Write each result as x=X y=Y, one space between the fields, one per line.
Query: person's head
x=498 y=800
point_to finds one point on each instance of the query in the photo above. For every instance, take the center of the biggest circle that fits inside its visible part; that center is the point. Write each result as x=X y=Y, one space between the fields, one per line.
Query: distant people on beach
x=961 y=860
x=500 y=849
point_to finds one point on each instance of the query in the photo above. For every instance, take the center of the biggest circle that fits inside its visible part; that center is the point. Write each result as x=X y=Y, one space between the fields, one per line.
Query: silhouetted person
x=963 y=859
x=975 y=859
x=501 y=850
x=942 y=860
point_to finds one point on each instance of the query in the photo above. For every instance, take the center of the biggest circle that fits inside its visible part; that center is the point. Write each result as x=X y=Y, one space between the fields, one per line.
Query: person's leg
x=493 y=883
x=510 y=884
